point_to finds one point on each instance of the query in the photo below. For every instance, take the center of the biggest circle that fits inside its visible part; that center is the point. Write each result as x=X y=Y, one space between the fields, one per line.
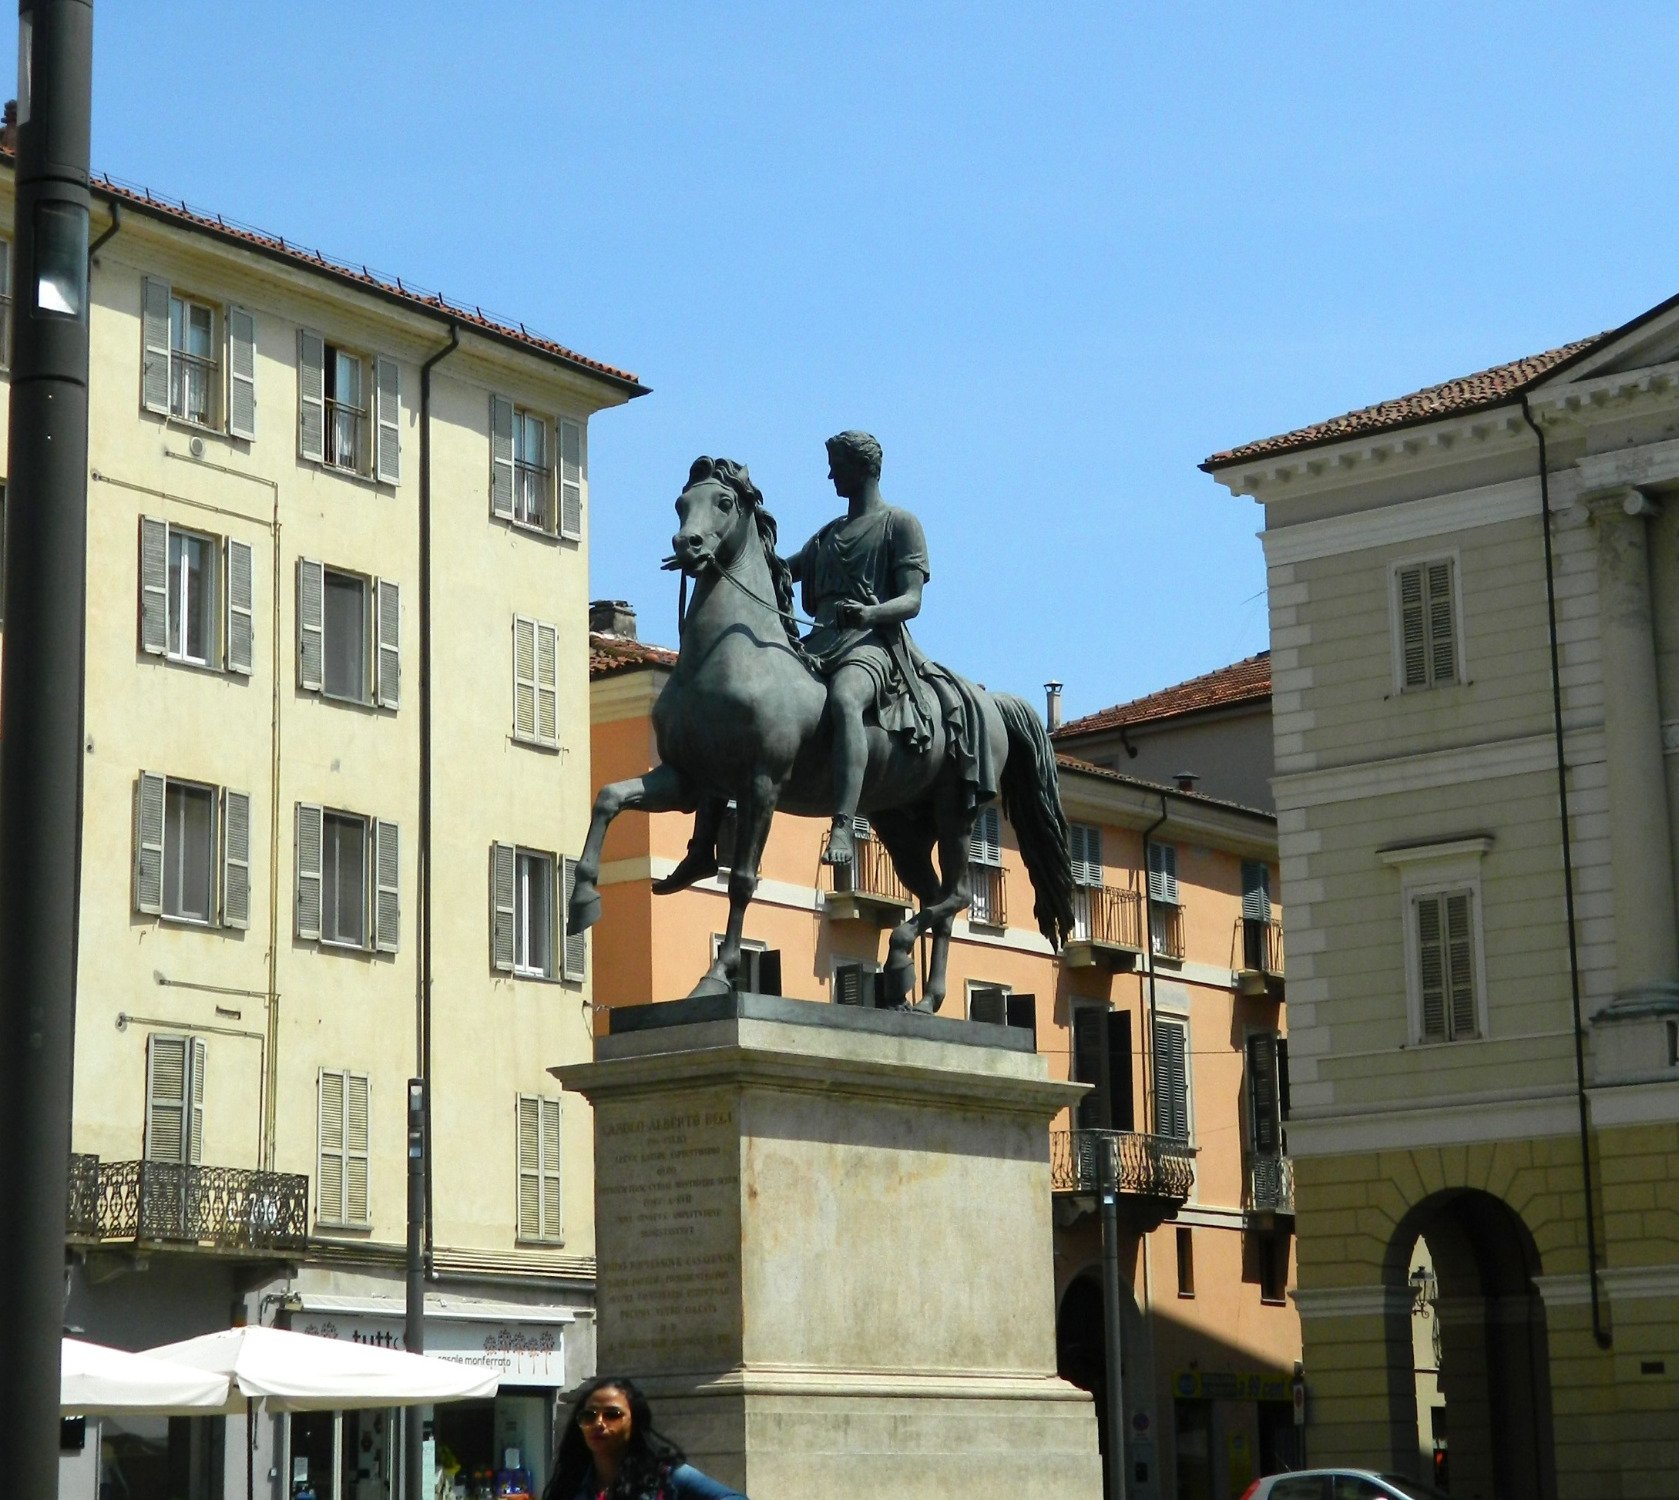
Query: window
x=1102 y=1058
x=197 y=597
x=175 y=1098
x=527 y=930
x=347 y=869
x=349 y=413
x=986 y=904
x=197 y=360
x=858 y=984
x=349 y=635
x=539 y=1169
x=1165 y=915
x=1186 y=1261
x=523 y=470
x=1445 y=942
x=1257 y=945
x=760 y=967
x=1000 y=1006
x=1427 y=619
x=1272 y=1254
x=845 y=877
x=536 y=684
x=341 y=1183
x=1084 y=844
x=192 y=851
x=1171 y=1079
x=1266 y=1060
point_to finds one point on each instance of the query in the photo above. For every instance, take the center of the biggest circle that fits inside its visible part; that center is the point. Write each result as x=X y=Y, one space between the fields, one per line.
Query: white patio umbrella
x=305 y=1372
x=100 y=1382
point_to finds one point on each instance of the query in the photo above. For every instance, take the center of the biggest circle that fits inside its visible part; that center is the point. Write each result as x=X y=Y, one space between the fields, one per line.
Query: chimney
x=1186 y=780
x=1052 y=705
x=612 y=617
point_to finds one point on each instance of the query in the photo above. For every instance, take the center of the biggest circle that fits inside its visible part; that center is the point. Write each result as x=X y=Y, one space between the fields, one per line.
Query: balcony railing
x=1142 y=1166
x=1165 y=920
x=345 y=423
x=988 y=901
x=871 y=874
x=81 y=1216
x=1271 y=1184
x=1262 y=945
x=1107 y=916
x=192 y=378
x=224 y=1207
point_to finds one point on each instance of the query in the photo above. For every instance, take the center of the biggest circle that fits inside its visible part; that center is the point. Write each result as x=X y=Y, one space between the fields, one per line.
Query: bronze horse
x=743 y=717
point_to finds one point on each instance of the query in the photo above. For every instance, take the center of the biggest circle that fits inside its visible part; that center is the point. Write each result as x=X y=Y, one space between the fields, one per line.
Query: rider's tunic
x=860 y=559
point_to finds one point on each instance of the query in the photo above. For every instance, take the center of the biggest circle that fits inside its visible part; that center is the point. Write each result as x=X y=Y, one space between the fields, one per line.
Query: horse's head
x=716 y=515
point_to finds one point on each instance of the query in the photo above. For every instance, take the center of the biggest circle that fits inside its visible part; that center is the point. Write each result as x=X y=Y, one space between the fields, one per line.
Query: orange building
x=1169 y=1003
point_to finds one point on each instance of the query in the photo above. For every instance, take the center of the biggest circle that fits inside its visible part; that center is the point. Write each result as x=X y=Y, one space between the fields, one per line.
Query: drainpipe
x=110 y=232
x=1599 y=1332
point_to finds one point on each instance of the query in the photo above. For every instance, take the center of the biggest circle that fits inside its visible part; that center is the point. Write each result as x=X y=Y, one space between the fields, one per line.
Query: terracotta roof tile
x=617 y=653
x=1240 y=682
x=142 y=200
x=1448 y=399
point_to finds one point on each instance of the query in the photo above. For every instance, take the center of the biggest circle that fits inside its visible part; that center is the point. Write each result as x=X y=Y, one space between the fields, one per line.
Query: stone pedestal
x=824 y=1247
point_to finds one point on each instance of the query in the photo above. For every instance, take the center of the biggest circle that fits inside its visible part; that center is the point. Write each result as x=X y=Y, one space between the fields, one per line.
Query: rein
x=728 y=576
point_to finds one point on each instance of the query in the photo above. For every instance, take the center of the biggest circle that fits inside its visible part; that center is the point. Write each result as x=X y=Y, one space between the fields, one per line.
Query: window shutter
x=547 y=684
x=1022 y=1012
x=241 y=608
x=388 y=623
x=571 y=479
x=357 y=1130
x=539 y=1168
x=311 y=624
x=988 y=1003
x=501 y=457
x=148 y=843
x=241 y=373
x=1163 y=873
x=311 y=395
x=167 y=1060
x=769 y=972
x=195 y=1104
x=1171 y=1082
x=1413 y=629
x=154 y=586
x=985 y=843
x=1087 y=1066
x=1264 y=1113
x=1442 y=646
x=236 y=859
x=1122 y=1114
x=504 y=865
x=524 y=678
x=552 y=1224
x=576 y=943
x=387 y=869
x=310 y=832
x=1461 y=964
x=154 y=346
x=1282 y=1079
x=1256 y=891
x=1084 y=844
x=1431 y=968
x=387 y=417
x=848 y=984
x=329 y=1178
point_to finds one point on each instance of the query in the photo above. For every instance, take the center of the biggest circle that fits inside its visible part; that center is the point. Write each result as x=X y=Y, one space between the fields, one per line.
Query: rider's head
x=857 y=451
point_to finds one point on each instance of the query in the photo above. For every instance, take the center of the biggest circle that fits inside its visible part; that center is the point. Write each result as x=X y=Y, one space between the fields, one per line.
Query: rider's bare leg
x=850 y=691
x=701 y=858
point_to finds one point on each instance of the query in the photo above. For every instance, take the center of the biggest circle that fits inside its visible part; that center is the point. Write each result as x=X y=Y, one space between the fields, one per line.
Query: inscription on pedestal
x=667 y=1201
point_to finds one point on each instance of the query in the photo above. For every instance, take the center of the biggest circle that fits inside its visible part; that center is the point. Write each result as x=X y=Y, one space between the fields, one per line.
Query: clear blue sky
x=1052 y=256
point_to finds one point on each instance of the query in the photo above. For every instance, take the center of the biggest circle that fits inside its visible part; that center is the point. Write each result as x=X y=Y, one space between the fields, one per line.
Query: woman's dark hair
x=644 y=1465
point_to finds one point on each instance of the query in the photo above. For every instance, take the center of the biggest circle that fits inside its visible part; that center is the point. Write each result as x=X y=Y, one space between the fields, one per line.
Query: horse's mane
x=727 y=472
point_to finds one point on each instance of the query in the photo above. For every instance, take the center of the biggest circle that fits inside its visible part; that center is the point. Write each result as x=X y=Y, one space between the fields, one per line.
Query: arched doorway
x=1494 y=1369
x=1081 y=1357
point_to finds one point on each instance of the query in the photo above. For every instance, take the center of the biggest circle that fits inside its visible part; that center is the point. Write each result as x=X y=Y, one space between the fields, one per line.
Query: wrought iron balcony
x=1165 y=920
x=1140 y=1166
x=224 y=1208
x=1271 y=1185
x=81 y=1216
x=988 y=895
x=1107 y=928
x=868 y=887
x=1262 y=956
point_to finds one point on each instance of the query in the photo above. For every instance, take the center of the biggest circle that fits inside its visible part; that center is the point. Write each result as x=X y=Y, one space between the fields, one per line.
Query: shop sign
x=1229 y=1385
x=522 y=1353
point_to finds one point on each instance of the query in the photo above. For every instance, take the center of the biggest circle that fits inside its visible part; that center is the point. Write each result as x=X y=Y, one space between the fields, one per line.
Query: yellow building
x=1474 y=597
x=1168 y=1003
x=336 y=759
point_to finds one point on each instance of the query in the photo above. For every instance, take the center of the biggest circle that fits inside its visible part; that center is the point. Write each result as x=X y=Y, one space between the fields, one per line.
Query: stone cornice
x=1353 y=1301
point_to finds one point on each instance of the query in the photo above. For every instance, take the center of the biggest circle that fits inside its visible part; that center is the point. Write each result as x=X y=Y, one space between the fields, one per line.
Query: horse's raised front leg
x=660 y=790
x=753 y=828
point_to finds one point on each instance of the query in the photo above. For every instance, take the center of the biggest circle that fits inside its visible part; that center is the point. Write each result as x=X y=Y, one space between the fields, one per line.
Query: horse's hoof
x=928 y=1005
x=585 y=909
x=712 y=984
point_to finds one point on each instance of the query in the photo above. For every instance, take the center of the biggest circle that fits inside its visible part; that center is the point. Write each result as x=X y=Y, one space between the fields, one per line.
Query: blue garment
x=684 y=1482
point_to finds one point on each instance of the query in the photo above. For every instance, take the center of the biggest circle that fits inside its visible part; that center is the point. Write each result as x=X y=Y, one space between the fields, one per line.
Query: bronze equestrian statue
x=851 y=718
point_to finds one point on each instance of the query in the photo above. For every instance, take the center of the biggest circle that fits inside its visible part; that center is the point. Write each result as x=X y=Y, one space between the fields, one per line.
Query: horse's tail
x=1032 y=799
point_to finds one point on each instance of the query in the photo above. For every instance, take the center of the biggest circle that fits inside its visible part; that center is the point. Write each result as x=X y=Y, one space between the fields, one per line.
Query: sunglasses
x=611 y=1415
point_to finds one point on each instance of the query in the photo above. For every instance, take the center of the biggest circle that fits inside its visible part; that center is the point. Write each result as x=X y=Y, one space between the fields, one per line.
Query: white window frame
x=381 y=625
x=381 y=894
x=228 y=854
x=522 y=860
x=1439 y=869
x=229 y=370
x=375 y=416
x=232 y=606
x=345 y=1150
x=183 y=361
x=1396 y=623
x=541 y=1108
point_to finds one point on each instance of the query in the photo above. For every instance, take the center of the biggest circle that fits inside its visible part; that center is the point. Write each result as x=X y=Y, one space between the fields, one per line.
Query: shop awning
x=100 y=1382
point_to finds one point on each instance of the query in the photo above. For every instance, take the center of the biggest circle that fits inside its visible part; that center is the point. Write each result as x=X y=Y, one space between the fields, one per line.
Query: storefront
x=1229 y=1428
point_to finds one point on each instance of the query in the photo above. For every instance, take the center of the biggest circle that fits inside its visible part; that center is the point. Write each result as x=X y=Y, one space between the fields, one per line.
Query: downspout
x=423 y=998
x=1604 y=1338
x=116 y=224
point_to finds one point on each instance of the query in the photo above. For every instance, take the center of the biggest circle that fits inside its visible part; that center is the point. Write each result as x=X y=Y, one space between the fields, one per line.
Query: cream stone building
x=1474 y=597
x=336 y=763
x=1169 y=1003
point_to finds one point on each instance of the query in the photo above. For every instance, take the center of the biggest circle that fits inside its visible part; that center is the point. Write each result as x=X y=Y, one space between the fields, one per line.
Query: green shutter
x=241 y=374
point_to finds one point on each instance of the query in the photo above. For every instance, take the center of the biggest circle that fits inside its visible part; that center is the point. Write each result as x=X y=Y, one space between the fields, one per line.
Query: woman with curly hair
x=611 y=1451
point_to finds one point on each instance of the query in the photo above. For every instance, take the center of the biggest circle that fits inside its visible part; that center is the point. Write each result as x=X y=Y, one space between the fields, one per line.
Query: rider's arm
x=904 y=605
